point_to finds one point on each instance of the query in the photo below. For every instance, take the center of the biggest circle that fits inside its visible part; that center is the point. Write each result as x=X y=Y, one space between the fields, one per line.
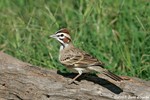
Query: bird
x=77 y=60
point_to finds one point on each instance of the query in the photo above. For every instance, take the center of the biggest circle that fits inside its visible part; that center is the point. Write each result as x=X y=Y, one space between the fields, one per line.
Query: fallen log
x=23 y=81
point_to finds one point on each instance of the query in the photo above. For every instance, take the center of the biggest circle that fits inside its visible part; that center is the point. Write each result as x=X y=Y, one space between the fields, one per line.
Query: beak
x=52 y=36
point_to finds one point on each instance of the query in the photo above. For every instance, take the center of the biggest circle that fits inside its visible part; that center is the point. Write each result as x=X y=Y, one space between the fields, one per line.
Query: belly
x=77 y=70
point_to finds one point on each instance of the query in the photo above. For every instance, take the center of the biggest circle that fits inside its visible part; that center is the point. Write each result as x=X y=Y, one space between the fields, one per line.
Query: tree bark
x=23 y=81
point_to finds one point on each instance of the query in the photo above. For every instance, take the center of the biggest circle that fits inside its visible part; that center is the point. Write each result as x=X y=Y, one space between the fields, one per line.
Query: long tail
x=106 y=72
x=112 y=76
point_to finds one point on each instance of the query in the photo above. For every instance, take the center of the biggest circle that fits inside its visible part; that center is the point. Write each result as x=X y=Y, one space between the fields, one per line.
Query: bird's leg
x=73 y=80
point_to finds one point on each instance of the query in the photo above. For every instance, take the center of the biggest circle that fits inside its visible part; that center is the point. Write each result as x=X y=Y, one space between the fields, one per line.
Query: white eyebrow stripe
x=67 y=35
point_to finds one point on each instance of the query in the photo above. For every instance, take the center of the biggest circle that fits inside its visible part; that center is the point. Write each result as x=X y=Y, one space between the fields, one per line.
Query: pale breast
x=67 y=56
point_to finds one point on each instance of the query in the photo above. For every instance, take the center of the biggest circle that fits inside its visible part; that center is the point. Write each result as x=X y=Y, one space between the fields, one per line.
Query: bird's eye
x=61 y=35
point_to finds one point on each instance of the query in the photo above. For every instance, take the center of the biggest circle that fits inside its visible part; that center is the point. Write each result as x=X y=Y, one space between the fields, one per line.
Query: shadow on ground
x=94 y=78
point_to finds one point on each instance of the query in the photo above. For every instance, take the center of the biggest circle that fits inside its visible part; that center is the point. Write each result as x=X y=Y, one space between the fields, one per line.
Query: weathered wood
x=22 y=81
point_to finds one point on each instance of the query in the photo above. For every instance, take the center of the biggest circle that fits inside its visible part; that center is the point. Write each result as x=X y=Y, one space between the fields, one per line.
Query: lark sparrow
x=77 y=60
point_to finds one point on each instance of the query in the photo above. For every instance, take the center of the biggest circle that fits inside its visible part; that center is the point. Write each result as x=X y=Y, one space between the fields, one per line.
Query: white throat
x=63 y=46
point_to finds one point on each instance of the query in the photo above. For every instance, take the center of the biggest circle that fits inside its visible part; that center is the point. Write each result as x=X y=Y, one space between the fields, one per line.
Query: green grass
x=115 y=31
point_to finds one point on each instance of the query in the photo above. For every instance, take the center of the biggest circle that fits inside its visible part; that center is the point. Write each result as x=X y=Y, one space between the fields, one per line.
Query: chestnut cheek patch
x=66 y=40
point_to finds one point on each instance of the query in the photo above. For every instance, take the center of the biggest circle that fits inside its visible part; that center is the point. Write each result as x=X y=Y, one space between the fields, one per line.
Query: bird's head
x=63 y=36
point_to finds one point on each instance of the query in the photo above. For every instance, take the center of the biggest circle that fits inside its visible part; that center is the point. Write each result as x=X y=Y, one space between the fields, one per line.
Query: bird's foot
x=72 y=82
